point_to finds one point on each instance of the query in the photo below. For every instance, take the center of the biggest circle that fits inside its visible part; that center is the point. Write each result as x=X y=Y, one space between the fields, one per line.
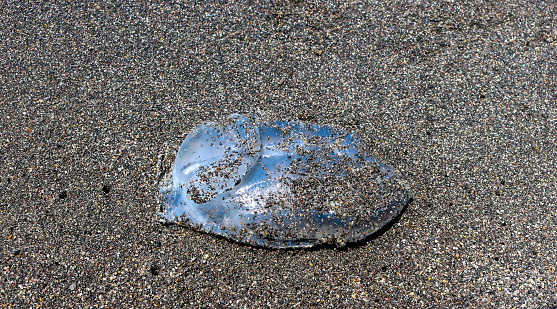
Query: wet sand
x=460 y=97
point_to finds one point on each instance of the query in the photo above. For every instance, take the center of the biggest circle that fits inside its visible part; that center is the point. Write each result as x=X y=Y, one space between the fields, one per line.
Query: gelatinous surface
x=280 y=184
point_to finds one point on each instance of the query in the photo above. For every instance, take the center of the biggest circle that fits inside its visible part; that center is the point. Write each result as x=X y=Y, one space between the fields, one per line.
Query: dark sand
x=460 y=97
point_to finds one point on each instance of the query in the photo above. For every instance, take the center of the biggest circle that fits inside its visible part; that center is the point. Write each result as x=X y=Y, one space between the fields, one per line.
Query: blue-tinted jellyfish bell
x=281 y=184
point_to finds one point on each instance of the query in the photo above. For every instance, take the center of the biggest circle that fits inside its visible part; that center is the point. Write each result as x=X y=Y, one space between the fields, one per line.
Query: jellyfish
x=280 y=184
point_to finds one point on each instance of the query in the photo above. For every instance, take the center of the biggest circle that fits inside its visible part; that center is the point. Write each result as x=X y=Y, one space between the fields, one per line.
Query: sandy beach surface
x=460 y=96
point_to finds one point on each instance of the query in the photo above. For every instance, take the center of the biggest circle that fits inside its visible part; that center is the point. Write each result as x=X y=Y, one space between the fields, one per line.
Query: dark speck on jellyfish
x=280 y=184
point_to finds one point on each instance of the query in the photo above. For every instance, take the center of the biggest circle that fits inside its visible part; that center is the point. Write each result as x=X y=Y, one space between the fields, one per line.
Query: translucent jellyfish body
x=280 y=184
